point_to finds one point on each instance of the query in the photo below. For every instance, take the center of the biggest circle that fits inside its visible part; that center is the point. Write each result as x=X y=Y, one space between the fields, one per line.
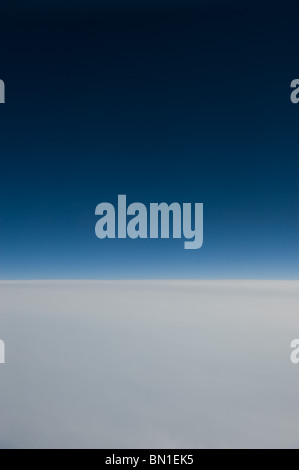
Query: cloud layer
x=149 y=364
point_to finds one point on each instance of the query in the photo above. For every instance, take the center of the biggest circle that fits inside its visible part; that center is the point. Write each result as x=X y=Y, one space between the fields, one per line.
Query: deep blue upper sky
x=168 y=101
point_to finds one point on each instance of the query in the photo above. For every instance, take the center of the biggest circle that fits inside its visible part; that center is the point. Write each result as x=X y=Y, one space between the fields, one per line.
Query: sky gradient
x=184 y=102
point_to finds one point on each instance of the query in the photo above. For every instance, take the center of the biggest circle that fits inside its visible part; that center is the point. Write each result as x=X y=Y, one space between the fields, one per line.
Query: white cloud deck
x=149 y=364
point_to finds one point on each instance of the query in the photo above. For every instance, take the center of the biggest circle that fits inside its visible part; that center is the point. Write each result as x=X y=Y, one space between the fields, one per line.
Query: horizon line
x=142 y=279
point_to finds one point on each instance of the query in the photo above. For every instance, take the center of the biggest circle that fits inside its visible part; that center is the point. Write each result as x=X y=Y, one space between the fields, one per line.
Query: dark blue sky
x=171 y=101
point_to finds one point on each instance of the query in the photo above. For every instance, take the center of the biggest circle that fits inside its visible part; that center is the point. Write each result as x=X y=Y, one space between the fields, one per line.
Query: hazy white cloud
x=151 y=364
